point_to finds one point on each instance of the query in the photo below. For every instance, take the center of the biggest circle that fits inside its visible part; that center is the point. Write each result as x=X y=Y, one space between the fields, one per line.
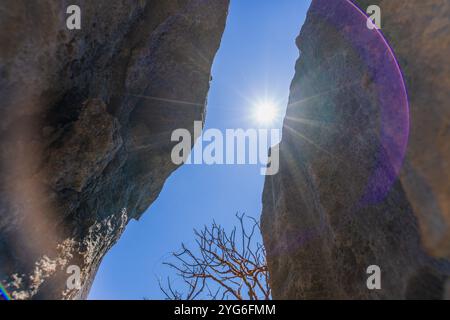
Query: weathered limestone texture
x=85 y=123
x=352 y=190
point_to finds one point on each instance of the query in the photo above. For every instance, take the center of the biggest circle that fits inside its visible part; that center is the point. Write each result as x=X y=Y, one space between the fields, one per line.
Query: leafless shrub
x=222 y=266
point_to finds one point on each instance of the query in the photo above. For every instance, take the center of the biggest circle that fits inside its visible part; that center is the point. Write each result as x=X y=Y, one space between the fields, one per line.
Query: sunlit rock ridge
x=364 y=169
x=86 y=117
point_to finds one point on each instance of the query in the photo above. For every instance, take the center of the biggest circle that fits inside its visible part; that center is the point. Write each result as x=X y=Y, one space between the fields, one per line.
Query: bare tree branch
x=222 y=265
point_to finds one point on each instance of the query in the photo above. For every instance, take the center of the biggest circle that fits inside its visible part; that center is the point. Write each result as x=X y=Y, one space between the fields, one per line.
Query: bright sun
x=265 y=113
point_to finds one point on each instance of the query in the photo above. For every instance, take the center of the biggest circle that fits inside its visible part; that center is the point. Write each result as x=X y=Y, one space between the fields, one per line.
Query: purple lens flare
x=379 y=59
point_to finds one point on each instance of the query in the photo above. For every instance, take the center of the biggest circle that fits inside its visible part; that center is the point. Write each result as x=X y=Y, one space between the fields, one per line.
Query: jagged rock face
x=342 y=200
x=86 y=119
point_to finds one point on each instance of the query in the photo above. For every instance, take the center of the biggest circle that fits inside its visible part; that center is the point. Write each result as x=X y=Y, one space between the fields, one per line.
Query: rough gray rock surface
x=422 y=43
x=320 y=227
x=86 y=118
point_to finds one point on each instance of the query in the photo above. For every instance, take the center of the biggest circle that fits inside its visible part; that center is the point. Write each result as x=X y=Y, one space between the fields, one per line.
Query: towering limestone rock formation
x=85 y=123
x=364 y=176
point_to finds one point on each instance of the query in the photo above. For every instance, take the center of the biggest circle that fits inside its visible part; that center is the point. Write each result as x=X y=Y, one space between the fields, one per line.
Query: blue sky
x=256 y=60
